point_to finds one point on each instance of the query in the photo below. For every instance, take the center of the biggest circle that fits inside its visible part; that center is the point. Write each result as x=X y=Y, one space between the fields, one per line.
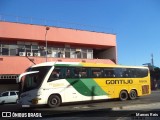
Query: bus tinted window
x=141 y=72
x=68 y=73
x=109 y=72
x=76 y=72
x=125 y=72
x=55 y=75
x=96 y=73
x=101 y=72
x=79 y=72
x=84 y=72
x=134 y=72
x=118 y=72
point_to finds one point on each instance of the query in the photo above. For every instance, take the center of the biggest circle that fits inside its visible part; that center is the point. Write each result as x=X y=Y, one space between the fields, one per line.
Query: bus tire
x=54 y=101
x=132 y=94
x=17 y=101
x=123 y=95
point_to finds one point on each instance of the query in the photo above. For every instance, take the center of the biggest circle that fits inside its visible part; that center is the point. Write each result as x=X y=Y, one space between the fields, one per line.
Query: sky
x=136 y=23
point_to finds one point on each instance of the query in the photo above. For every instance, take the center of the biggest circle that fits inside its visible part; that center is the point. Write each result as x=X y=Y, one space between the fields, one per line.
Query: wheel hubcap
x=54 y=101
x=133 y=94
x=123 y=95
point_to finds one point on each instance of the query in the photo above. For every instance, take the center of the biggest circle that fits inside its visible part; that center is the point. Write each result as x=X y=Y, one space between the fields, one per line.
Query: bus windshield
x=35 y=79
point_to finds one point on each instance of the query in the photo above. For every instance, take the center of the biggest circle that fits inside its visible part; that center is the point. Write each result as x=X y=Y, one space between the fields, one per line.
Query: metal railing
x=54 y=23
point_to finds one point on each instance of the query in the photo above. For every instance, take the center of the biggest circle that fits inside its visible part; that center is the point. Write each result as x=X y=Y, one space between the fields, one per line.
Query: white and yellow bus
x=54 y=83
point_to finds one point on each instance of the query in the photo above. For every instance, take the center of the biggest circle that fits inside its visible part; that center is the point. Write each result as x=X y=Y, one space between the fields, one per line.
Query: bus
x=54 y=83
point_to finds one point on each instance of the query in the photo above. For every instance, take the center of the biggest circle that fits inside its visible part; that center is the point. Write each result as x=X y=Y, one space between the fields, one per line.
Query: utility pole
x=152 y=61
x=47 y=28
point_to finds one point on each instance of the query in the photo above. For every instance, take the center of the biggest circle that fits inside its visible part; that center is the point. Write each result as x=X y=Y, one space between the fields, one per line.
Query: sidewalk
x=151 y=106
x=142 y=111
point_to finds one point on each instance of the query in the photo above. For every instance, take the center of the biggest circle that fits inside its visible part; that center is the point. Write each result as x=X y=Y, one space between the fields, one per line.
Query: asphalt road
x=115 y=109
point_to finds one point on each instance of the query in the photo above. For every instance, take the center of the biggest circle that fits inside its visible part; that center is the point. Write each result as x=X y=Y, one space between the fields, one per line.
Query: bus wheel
x=133 y=94
x=17 y=101
x=54 y=101
x=123 y=95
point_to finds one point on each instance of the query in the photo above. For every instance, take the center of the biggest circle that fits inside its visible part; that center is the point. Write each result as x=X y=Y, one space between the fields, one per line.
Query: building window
x=54 y=52
x=61 y=53
x=34 y=47
x=78 y=54
x=21 y=48
x=67 y=52
x=13 y=50
x=73 y=53
x=35 y=50
x=84 y=53
x=5 y=49
x=49 y=52
x=42 y=51
x=0 y=50
x=28 y=48
x=90 y=54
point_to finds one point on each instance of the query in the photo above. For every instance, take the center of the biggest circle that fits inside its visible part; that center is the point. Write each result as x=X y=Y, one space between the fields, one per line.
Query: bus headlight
x=35 y=100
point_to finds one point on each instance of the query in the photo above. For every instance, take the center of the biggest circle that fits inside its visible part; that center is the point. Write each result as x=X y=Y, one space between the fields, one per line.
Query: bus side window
x=84 y=72
x=68 y=73
x=109 y=73
x=54 y=75
x=118 y=72
x=77 y=73
x=96 y=72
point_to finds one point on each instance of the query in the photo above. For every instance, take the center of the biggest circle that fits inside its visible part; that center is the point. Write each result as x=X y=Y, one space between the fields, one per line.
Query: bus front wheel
x=123 y=95
x=133 y=94
x=54 y=101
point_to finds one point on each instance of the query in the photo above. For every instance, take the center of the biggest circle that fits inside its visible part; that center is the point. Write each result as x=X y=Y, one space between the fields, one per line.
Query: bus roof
x=55 y=63
x=84 y=64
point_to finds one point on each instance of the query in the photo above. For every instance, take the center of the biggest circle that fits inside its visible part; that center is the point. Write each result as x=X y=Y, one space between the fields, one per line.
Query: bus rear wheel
x=123 y=95
x=54 y=101
x=133 y=94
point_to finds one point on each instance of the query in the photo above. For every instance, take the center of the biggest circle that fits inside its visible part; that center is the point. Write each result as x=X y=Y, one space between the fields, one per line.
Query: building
x=22 y=45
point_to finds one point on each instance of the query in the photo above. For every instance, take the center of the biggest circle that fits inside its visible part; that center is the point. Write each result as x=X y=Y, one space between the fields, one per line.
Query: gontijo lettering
x=130 y=81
